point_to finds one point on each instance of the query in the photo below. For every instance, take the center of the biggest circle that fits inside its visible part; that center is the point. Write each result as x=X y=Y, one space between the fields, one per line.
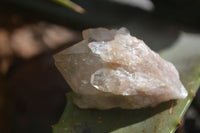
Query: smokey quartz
x=111 y=68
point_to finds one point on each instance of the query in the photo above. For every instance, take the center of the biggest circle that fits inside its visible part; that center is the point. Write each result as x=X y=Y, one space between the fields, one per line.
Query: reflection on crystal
x=111 y=68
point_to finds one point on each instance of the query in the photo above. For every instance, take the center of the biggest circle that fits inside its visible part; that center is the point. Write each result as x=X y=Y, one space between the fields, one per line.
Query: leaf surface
x=163 y=118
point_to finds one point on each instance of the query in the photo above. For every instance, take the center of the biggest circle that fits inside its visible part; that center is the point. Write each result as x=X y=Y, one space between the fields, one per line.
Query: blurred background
x=32 y=91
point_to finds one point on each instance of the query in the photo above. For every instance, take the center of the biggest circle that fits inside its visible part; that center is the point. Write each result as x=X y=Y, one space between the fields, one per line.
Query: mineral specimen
x=111 y=68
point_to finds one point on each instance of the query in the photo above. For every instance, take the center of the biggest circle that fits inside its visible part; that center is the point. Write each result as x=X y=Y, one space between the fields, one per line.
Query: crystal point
x=111 y=68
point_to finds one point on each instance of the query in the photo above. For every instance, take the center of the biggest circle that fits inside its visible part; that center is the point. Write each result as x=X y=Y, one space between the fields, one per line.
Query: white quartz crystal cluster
x=111 y=68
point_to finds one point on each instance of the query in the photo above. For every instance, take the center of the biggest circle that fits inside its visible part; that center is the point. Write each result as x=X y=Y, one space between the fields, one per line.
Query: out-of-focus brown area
x=25 y=38
x=32 y=92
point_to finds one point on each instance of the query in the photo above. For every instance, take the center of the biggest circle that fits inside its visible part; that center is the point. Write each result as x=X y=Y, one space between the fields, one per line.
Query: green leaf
x=163 y=118
x=71 y=5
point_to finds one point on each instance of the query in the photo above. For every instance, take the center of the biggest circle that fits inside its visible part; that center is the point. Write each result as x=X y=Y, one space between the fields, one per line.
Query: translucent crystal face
x=110 y=66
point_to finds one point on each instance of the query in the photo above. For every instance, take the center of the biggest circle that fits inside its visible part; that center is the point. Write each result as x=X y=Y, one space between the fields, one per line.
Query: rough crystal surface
x=111 y=68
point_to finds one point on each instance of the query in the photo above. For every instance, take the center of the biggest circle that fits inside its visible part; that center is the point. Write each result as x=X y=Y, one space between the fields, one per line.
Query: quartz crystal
x=111 y=68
